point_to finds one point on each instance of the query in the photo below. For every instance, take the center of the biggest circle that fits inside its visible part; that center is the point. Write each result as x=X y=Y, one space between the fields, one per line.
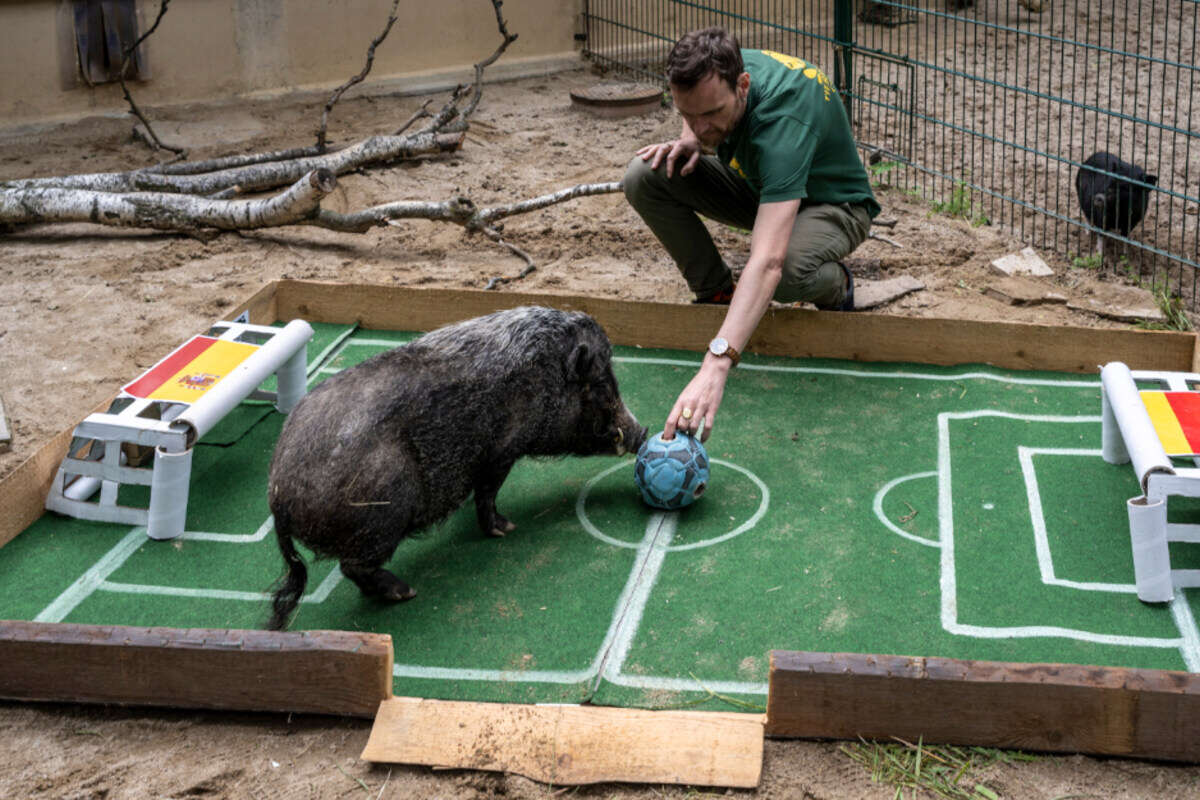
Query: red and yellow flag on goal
x=1176 y=418
x=190 y=370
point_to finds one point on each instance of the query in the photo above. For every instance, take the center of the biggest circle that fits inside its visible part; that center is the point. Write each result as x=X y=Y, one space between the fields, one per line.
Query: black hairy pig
x=398 y=442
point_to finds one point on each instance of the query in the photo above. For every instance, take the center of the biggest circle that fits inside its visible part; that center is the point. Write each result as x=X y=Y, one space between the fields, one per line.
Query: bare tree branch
x=509 y=38
x=254 y=178
x=137 y=112
x=338 y=92
x=171 y=212
x=492 y=283
x=229 y=162
x=421 y=112
x=490 y=215
x=886 y=240
x=459 y=210
x=299 y=204
x=450 y=111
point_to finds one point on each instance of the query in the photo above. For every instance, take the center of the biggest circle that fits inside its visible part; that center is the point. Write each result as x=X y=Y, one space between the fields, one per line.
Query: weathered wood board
x=570 y=745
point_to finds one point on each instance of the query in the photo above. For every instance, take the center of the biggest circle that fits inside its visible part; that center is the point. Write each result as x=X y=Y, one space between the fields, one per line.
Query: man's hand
x=686 y=148
x=700 y=400
x=768 y=247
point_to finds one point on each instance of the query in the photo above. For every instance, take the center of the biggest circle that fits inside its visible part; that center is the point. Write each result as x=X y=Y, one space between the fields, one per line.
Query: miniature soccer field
x=876 y=508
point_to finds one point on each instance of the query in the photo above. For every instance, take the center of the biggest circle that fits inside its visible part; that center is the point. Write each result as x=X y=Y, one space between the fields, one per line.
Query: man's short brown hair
x=698 y=53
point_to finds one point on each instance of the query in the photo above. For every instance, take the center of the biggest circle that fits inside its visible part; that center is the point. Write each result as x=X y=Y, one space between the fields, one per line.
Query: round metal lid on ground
x=618 y=99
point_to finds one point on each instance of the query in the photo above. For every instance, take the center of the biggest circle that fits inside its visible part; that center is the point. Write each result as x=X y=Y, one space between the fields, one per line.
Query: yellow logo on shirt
x=791 y=62
x=811 y=72
x=734 y=165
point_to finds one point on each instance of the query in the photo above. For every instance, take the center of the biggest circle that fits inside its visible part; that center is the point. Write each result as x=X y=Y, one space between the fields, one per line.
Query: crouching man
x=765 y=145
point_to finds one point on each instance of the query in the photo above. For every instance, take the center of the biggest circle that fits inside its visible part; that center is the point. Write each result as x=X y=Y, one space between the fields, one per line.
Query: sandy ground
x=85 y=308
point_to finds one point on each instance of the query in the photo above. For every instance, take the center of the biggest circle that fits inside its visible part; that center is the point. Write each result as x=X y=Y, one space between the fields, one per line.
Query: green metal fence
x=990 y=109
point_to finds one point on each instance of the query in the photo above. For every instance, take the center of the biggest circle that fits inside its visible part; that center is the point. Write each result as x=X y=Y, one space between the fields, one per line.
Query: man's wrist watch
x=720 y=347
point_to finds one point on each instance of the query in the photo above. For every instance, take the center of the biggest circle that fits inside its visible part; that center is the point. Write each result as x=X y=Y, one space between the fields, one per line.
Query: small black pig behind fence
x=398 y=442
x=1113 y=194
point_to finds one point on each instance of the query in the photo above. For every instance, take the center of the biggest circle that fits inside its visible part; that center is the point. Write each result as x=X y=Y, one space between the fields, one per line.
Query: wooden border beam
x=1058 y=707
x=785 y=332
x=321 y=672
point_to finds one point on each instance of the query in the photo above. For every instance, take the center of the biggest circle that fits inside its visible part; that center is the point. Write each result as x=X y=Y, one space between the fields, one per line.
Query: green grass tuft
x=961 y=206
x=944 y=770
x=1171 y=304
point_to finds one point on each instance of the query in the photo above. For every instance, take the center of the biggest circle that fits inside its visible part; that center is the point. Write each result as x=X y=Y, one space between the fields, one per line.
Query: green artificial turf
x=873 y=508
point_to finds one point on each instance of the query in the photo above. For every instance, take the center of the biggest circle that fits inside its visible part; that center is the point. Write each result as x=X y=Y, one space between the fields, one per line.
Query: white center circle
x=590 y=527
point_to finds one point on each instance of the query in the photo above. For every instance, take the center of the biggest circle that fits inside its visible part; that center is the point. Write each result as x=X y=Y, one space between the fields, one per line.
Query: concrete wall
x=212 y=50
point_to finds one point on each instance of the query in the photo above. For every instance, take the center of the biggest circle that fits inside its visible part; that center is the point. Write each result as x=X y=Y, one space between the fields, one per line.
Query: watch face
x=718 y=346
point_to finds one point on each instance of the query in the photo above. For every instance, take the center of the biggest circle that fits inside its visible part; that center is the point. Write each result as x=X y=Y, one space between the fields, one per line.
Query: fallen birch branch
x=459 y=210
x=299 y=204
x=253 y=178
x=229 y=162
x=167 y=212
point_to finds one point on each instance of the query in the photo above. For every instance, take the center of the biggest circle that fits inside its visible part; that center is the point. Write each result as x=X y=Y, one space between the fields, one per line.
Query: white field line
x=233 y=538
x=319 y=595
x=1041 y=537
x=367 y=341
x=858 y=373
x=1190 y=649
x=645 y=566
x=949 y=585
x=78 y=591
x=332 y=350
x=877 y=505
x=854 y=373
x=660 y=530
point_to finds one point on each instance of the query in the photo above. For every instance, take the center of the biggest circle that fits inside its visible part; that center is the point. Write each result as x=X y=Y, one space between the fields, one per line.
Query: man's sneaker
x=848 y=303
x=720 y=298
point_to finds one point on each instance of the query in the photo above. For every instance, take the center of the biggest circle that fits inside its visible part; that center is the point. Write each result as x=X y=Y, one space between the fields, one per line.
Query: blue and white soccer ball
x=671 y=474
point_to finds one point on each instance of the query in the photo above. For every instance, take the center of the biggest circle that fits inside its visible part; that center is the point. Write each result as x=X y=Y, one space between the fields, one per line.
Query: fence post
x=843 y=50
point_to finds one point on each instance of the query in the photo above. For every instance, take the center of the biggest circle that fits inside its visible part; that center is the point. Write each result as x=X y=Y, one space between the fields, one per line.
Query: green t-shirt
x=794 y=140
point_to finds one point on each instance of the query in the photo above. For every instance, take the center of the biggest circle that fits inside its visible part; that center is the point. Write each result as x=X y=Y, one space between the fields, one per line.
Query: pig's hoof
x=502 y=526
x=399 y=593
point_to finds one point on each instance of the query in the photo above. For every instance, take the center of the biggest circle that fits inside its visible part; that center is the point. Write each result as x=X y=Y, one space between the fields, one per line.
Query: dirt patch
x=85 y=309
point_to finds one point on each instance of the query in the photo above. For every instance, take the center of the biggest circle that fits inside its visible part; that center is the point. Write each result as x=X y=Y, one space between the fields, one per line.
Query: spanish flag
x=190 y=370
x=1176 y=418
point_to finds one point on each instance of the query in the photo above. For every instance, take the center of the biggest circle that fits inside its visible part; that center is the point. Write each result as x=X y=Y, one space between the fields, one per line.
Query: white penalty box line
x=1188 y=642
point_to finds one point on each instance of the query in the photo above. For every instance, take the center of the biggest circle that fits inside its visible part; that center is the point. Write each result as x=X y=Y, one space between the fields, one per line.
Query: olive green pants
x=822 y=236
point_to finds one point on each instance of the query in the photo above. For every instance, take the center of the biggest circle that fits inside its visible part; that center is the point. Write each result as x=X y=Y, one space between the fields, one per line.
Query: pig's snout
x=630 y=435
x=639 y=438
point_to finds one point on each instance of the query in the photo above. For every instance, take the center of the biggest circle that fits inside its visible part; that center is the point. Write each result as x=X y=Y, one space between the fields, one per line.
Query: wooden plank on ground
x=323 y=672
x=1058 y=707
x=789 y=332
x=570 y=745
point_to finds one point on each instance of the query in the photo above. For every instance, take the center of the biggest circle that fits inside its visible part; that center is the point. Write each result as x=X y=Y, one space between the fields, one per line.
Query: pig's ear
x=579 y=363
